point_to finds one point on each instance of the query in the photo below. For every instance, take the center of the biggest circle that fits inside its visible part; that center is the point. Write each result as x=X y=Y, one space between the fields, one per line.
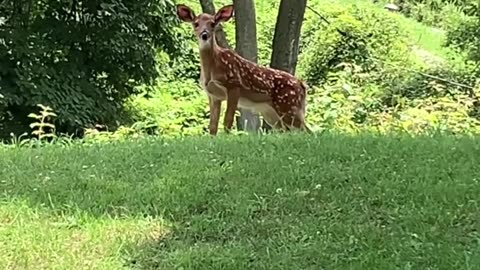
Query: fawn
x=277 y=95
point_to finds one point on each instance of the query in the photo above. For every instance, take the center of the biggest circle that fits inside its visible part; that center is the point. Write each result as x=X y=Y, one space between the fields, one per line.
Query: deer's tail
x=305 y=88
x=304 y=85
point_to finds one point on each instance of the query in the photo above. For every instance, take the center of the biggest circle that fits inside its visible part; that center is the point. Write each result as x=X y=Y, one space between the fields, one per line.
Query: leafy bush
x=266 y=29
x=465 y=36
x=82 y=58
x=469 y=7
x=450 y=79
x=369 y=36
x=342 y=104
x=172 y=109
x=438 y=13
x=441 y=14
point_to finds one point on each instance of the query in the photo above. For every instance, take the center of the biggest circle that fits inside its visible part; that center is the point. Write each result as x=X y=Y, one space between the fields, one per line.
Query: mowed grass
x=270 y=202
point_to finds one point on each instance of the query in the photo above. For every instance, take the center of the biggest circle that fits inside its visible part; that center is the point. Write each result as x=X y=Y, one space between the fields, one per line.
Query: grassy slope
x=288 y=202
x=332 y=202
x=426 y=37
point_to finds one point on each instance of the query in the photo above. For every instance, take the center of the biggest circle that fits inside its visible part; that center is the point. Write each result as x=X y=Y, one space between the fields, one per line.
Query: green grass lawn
x=271 y=202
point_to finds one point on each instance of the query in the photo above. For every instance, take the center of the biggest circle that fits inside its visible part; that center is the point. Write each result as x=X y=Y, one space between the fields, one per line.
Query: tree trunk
x=246 y=46
x=287 y=35
x=244 y=27
x=209 y=7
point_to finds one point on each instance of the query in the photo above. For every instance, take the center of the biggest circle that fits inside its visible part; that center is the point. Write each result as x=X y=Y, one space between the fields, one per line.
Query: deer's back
x=242 y=73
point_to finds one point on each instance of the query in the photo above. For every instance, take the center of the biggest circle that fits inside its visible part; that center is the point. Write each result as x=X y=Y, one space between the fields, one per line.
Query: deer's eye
x=212 y=25
x=195 y=25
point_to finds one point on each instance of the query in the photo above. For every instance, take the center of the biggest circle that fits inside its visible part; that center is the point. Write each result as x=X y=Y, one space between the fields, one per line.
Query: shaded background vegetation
x=130 y=64
x=83 y=58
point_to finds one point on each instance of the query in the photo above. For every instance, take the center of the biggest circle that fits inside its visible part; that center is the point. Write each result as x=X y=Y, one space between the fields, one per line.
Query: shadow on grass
x=287 y=202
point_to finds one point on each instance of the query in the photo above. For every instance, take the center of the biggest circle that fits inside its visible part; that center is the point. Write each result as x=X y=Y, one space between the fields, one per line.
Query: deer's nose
x=204 y=35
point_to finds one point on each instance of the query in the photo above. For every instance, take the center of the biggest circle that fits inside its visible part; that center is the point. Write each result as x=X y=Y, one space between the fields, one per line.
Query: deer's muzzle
x=204 y=35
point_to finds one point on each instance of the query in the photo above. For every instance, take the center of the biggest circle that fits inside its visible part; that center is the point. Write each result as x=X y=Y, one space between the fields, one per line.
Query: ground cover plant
x=243 y=202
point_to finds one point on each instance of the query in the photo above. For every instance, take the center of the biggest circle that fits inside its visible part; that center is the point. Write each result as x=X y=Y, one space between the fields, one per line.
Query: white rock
x=392 y=7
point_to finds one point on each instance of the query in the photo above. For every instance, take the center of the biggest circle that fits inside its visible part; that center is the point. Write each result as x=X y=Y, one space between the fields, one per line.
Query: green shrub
x=438 y=13
x=370 y=35
x=341 y=104
x=450 y=79
x=265 y=29
x=83 y=60
x=171 y=109
x=465 y=36
x=345 y=105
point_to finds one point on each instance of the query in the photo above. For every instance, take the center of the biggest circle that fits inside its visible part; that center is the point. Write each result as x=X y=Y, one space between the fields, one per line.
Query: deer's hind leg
x=271 y=116
x=298 y=121
x=286 y=121
x=290 y=106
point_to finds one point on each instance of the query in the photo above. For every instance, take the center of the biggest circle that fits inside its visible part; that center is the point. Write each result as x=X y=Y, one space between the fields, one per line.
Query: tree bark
x=246 y=46
x=209 y=7
x=287 y=35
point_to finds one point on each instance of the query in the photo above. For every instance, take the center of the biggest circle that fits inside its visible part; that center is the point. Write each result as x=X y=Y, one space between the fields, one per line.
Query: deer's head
x=204 y=24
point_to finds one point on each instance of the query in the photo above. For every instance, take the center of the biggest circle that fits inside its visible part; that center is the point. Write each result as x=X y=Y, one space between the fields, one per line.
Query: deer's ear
x=224 y=14
x=185 y=13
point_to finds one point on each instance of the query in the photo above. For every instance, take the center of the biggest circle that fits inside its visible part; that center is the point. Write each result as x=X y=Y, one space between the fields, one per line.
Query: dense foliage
x=466 y=37
x=387 y=71
x=438 y=12
x=372 y=77
x=81 y=57
x=354 y=36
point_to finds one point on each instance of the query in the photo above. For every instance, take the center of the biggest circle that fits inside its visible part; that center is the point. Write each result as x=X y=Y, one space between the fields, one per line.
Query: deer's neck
x=208 y=55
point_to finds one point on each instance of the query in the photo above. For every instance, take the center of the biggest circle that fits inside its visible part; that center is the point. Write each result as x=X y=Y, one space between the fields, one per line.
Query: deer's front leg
x=233 y=96
x=215 y=107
